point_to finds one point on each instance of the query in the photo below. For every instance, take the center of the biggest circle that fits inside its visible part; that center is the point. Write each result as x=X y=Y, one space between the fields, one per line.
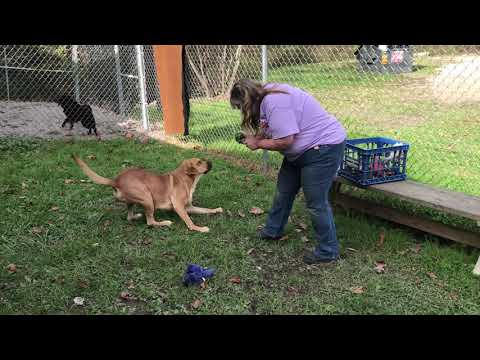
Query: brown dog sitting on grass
x=170 y=191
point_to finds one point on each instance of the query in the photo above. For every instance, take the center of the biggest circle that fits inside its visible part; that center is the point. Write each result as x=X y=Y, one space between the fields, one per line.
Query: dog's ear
x=190 y=168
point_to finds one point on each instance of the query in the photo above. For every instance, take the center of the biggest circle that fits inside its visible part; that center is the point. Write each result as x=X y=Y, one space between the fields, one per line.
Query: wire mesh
x=34 y=77
x=426 y=95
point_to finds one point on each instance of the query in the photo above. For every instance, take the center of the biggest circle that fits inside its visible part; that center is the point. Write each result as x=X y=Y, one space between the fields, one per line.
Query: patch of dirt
x=44 y=120
x=458 y=82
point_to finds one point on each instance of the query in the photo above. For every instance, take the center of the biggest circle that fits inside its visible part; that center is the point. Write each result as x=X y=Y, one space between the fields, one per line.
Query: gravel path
x=44 y=120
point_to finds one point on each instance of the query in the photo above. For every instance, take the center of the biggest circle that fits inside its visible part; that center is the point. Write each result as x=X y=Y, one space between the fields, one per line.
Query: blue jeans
x=314 y=172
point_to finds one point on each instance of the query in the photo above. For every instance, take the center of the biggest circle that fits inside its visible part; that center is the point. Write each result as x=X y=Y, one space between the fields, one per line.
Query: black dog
x=76 y=112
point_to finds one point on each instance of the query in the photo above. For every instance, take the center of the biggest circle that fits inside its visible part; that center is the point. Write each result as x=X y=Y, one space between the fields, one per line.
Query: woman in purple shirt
x=283 y=118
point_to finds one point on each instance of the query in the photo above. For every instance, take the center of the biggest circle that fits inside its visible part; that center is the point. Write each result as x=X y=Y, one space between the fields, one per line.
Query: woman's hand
x=251 y=142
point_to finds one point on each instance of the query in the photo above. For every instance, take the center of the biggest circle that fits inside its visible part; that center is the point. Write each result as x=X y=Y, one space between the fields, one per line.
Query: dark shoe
x=262 y=236
x=310 y=259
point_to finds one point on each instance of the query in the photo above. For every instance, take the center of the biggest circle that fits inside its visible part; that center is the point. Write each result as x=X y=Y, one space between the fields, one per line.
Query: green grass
x=87 y=248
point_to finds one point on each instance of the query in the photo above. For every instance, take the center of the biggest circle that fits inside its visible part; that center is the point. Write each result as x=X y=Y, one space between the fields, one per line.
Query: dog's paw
x=202 y=229
x=218 y=210
x=135 y=217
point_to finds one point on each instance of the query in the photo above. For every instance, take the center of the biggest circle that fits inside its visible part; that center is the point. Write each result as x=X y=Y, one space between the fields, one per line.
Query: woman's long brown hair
x=247 y=95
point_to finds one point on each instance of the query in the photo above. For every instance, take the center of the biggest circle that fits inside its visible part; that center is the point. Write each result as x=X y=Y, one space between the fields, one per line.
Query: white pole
x=119 y=79
x=141 y=84
x=264 y=64
x=476 y=270
x=264 y=80
x=75 y=72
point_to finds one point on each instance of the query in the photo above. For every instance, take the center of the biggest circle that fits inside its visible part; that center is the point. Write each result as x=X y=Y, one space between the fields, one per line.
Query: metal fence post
x=75 y=72
x=141 y=84
x=119 y=79
x=265 y=156
x=6 y=73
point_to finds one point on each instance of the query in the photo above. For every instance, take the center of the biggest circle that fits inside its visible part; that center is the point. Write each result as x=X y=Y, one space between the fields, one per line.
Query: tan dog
x=170 y=191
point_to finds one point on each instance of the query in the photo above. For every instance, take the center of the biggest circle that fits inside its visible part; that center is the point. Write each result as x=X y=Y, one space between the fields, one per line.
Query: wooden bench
x=449 y=202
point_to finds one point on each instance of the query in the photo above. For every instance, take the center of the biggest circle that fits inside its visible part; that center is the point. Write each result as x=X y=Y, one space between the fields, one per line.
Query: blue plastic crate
x=374 y=160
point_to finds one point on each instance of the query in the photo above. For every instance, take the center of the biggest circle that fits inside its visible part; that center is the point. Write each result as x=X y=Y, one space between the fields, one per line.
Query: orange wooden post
x=168 y=63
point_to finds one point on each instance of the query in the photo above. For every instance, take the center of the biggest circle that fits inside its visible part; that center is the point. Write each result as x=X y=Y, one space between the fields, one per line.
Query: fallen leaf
x=55 y=208
x=453 y=296
x=247 y=179
x=95 y=244
x=83 y=284
x=24 y=185
x=69 y=181
x=50 y=222
x=37 y=230
x=259 y=267
x=431 y=275
x=241 y=214
x=147 y=241
x=379 y=267
x=357 y=290
x=106 y=224
x=418 y=281
x=303 y=226
x=79 y=301
x=251 y=252
x=12 y=268
x=91 y=157
x=352 y=249
x=283 y=238
x=125 y=295
x=235 y=280
x=169 y=254
x=305 y=239
x=130 y=285
x=196 y=304
x=292 y=291
x=256 y=211
x=381 y=240
x=417 y=248
x=298 y=230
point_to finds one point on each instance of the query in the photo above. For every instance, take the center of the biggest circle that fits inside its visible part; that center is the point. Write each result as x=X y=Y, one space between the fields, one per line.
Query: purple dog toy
x=195 y=274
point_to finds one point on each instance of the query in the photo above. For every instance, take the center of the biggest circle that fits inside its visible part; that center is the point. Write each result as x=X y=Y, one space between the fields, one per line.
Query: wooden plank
x=426 y=225
x=444 y=200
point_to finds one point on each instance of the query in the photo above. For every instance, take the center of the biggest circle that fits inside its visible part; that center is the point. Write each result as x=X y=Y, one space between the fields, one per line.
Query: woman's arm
x=254 y=143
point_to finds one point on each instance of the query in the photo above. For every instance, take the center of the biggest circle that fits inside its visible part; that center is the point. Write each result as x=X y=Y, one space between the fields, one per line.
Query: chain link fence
x=428 y=96
x=33 y=78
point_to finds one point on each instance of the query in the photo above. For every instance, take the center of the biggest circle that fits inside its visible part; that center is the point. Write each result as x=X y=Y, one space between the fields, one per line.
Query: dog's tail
x=91 y=174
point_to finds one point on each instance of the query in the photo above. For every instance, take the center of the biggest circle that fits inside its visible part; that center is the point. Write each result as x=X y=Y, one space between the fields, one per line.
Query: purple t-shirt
x=298 y=113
